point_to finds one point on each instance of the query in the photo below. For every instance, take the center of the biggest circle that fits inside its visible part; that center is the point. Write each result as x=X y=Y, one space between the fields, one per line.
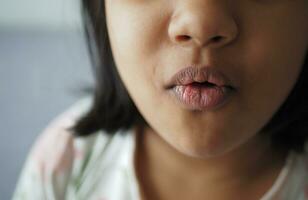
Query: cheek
x=136 y=52
x=273 y=61
x=137 y=61
x=135 y=36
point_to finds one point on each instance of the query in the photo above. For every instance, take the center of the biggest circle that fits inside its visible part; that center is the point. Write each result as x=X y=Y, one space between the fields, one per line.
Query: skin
x=214 y=153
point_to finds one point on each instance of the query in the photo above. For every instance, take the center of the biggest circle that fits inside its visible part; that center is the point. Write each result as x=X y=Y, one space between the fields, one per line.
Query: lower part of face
x=262 y=54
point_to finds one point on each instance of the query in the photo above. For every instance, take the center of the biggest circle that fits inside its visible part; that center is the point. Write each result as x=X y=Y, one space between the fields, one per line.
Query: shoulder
x=57 y=158
x=296 y=186
x=302 y=167
x=58 y=148
x=54 y=148
x=59 y=164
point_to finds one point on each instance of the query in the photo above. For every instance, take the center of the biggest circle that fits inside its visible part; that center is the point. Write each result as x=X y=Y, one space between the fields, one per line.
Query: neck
x=162 y=167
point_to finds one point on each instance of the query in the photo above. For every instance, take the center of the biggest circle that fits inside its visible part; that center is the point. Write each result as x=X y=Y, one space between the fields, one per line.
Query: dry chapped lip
x=201 y=88
x=202 y=97
x=195 y=75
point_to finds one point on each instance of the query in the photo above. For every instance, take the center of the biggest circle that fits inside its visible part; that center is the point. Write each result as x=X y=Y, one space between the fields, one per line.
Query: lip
x=202 y=98
x=201 y=89
x=190 y=75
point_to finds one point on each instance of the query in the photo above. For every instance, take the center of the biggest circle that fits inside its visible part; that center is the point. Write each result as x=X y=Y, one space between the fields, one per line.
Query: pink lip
x=195 y=74
x=202 y=88
x=200 y=97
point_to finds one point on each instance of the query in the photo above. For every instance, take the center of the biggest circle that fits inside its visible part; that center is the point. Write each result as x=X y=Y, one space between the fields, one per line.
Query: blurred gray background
x=43 y=66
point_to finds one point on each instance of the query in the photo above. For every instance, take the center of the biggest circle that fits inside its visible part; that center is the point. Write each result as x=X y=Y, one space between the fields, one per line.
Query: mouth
x=202 y=84
x=201 y=89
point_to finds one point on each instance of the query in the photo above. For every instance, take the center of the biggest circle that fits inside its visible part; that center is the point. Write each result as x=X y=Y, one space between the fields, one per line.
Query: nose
x=202 y=23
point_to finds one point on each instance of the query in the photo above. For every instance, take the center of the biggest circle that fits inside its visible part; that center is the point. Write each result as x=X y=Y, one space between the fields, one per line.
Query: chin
x=205 y=148
x=203 y=153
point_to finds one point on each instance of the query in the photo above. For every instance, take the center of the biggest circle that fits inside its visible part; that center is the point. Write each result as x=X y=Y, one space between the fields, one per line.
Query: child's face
x=262 y=49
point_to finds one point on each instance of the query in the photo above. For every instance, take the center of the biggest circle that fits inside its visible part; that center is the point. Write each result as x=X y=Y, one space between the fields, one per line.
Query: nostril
x=184 y=38
x=217 y=38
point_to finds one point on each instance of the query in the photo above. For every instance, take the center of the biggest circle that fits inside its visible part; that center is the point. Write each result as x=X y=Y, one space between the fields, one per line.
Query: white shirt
x=101 y=166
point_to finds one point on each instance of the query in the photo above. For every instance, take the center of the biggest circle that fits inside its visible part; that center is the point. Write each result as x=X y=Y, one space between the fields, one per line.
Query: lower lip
x=199 y=97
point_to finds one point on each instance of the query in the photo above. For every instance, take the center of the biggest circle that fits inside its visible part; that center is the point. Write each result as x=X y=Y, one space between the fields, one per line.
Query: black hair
x=113 y=109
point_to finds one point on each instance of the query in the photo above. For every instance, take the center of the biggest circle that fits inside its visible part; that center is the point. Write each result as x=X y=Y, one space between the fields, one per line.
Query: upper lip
x=191 y=74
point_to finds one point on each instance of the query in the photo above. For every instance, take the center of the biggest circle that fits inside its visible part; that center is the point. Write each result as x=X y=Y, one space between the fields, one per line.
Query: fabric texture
x=100 y=166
